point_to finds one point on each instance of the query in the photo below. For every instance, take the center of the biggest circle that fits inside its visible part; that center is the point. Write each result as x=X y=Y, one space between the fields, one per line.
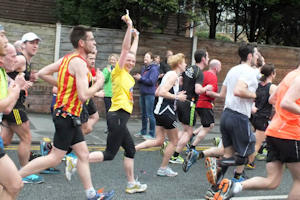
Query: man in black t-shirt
x=192 y=80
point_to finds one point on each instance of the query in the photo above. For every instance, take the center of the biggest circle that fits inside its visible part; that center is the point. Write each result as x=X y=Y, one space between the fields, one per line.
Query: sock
x=237 y=187
x=176 y=154
x=90 y=193
x=192 y=147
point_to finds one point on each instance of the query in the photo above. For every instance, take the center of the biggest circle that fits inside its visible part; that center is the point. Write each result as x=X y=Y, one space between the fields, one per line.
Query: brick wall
x=109 y=41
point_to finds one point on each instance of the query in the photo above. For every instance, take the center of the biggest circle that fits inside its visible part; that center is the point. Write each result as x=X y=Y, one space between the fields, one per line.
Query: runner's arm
x=126 y=41
x=241 y=90
x=46 y=73
x=292 y=95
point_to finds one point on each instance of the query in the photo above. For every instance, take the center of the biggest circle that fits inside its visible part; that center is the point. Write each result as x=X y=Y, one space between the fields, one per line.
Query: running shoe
x=135 y=187
x=103 y=196
x=34 y=155
x=209 y=195
x=216 y=141
x=163 y=147
x=241 y=178
x=251 y=165
x=189 y=160
x=262 y=156
x=70 y=167
x=148 y=137
x=225 y=190
x=138 y=135
x=166 y=172
x=50 y=171
x=45 y=148
x=33 y=179
x=176 y=160
x=211 y=170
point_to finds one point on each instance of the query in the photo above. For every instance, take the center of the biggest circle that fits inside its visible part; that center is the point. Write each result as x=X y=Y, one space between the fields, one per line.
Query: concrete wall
x=109 y=41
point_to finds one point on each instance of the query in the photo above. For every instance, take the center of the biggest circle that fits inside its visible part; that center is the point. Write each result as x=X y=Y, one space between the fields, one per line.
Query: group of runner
x=183 y=92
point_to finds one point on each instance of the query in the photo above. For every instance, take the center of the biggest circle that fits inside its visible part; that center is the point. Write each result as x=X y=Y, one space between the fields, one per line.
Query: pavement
x=41 y=126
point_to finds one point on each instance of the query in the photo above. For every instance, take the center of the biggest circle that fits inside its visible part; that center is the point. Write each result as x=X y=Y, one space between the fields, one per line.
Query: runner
x=10 y=180
x=165 y=113
x=73 y=89
x=262 y=109
x=120 y=110
x=17 y=121
x=283 y=140
x=205 y=103
x=192 y=80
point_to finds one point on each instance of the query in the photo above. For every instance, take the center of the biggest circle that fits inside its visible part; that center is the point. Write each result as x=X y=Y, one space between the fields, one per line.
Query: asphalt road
x=110 y=175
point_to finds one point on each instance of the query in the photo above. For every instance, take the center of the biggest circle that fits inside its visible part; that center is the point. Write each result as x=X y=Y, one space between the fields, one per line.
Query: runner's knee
x=130 y=153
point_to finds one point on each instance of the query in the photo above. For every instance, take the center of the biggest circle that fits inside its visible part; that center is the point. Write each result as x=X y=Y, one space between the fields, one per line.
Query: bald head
x=10 y=58
x=215 y=64
x=19 y=45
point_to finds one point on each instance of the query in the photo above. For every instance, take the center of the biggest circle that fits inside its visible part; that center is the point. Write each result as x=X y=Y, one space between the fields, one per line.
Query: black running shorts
x=259 y=123
x=168 y=121
x=283 y=150
x=184 y=113
x=16 y=117
x=206 y=115
x=66 y=133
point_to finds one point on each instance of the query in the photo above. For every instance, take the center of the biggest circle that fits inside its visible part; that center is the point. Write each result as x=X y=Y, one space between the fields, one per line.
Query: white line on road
x=273 y=197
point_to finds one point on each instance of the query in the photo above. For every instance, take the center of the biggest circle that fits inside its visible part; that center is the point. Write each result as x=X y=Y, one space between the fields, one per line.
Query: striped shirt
x=67 y=96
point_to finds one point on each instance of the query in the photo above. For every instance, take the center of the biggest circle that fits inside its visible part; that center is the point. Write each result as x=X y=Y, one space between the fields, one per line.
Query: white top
x=167 y=105
x=246 y=74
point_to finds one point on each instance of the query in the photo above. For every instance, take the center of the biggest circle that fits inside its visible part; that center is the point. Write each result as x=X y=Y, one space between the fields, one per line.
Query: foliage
x=262 y=21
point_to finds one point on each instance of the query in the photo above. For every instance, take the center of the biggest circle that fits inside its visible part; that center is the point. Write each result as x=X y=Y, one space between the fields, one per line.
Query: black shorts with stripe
x=283 y=150
x=16 y=117
x=236 y=132
x=186 y=114
x=166 y=120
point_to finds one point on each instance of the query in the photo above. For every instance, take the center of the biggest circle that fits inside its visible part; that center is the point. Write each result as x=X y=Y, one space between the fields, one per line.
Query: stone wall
x=109 y=41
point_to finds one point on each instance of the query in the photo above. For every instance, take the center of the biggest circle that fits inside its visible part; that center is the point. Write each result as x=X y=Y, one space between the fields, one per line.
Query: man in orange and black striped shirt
x=73 y=89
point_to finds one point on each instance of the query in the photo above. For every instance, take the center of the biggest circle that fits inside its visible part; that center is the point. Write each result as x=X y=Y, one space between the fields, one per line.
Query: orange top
x=285 y=125
x=67 y=96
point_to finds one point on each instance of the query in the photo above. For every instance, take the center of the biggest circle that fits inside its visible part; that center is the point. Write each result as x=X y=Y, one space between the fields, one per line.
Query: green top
x=107 y=81
x=3 y=84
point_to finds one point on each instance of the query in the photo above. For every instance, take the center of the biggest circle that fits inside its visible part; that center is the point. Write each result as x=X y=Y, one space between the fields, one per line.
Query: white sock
x=237 y=187
x=90 y=193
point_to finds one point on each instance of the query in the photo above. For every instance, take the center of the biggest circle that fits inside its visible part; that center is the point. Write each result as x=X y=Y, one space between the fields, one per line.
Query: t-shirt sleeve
x=116 y=71
x=199 y=75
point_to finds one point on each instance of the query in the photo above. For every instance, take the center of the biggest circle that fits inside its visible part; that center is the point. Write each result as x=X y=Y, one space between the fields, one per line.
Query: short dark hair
x=78 y=33
x=244 y=50
x=150 y=53
x=199 y=54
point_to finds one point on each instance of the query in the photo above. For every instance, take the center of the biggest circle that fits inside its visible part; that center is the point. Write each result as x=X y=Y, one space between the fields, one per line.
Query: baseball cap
x=30 y=37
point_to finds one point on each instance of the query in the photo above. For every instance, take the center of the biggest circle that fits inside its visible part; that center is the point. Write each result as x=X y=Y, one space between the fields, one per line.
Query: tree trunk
x=213 y=6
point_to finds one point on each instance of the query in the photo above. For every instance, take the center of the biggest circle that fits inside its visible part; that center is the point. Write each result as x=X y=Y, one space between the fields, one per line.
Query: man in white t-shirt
x=238 y=139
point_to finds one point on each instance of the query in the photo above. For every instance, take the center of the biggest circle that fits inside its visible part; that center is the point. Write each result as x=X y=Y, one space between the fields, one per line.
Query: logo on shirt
x=131 y=95
x=189 y=72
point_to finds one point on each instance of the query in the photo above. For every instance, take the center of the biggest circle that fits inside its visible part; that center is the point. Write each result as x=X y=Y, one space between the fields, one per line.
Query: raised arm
x=126 y=41
x=135 y=42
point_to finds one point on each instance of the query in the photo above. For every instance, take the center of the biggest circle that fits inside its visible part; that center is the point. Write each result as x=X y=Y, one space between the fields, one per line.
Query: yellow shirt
x=122 y=89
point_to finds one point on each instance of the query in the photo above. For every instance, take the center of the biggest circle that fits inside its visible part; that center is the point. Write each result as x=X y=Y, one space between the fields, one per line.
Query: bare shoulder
x=77 y=65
